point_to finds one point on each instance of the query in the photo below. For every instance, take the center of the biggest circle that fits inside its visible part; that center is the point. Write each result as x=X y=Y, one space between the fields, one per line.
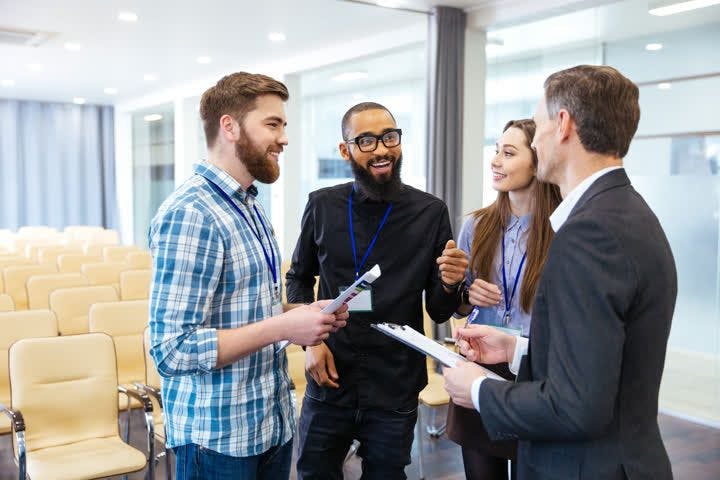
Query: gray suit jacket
x=586 y=400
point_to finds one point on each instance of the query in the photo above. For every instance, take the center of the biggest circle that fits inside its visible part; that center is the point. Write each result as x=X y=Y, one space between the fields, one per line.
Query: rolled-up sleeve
x=187 y=262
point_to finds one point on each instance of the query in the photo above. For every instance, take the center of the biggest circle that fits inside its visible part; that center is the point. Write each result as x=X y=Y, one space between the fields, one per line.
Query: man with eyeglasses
x=362 y=384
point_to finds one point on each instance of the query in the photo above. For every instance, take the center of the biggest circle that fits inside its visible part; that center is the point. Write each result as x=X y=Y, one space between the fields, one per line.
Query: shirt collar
x=522 y=222
x=562 y=212
x=226 y=183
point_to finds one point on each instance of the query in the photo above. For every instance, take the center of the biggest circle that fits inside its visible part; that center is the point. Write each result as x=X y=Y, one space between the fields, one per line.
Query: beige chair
x=125 y=322
x=106 y=237
x=71 y=263
x=6 y=303
x=96 y=249
x=72 y=306
x=16 y=276
x=39 y=287
x=10 y=260
x=50 y=254
x=13 y=327
x=81 y=232
x=37 y=231
x=64 y=390
x=103 y=273
x=139 y=260
x=117 y=253
x=135 y=284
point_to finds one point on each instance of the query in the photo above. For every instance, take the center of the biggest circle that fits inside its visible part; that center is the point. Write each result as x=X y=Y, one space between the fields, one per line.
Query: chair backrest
x=65 y=387
x=6 y=302
x=72 y=306
x=15 y=277
x=125 y=322
x=135 y=284
x=39 y=287
x=105 y=237
x=103 y=273
x=140 y=260
x=82 y=232
x=117 y=253
x=51 y=253
x=71 y=263
x=39 y=231
x=13 y=327
x=96 y=249
x=9 y=260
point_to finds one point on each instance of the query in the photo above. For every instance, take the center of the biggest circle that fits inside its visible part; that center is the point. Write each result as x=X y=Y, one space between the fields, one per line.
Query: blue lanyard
x=269 y=258
x=508 y=300
x=352 y=234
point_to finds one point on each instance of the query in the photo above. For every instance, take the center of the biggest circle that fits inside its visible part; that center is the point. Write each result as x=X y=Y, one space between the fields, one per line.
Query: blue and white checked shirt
x=209 y=273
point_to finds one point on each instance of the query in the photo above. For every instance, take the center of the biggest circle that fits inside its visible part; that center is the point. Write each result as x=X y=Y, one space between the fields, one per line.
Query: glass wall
x=153 y=153
x=674 y=160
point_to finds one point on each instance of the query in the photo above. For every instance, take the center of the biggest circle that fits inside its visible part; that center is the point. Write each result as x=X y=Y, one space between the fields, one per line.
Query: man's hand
x=320 y=364
x=459 y=380
x=452 y=264
x=307 y=325
x=484 y=294
x=341 y=314
x=485 y=344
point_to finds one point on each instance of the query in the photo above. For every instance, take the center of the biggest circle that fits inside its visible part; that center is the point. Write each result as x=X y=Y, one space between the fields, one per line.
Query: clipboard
x=360 y=285
x=416 y=340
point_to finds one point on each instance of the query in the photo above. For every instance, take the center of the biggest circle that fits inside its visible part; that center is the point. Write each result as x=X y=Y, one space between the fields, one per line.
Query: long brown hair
x=491 y=221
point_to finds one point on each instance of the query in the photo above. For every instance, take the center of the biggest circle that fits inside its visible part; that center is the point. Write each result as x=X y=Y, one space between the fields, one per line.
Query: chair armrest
x=152 y=391
x=16 y=418
x=141 y=397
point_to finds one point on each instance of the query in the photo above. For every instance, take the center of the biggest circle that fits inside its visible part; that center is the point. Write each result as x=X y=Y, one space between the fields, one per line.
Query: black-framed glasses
x=368 y=142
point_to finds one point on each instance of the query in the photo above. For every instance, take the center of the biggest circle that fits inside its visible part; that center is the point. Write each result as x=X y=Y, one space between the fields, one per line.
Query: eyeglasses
x=368 y=142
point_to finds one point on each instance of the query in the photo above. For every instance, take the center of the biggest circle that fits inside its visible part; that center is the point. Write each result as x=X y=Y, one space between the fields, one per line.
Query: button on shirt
x=210 y=273
x=375 y=371
x=516 y=237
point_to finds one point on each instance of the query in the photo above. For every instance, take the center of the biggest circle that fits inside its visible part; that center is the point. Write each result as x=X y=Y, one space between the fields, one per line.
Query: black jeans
x=327 y=431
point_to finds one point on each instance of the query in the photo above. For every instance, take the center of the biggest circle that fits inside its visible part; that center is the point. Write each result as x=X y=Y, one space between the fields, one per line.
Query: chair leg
x=432 y=430
x=168 y=469
x=419 y=430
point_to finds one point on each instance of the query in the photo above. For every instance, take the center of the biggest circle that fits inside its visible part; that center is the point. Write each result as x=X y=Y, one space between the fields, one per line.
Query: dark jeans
x=194 y=462
x=327 y=431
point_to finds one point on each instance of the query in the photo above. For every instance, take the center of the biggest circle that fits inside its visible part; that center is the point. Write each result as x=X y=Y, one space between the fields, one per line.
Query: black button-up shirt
x=375 y=371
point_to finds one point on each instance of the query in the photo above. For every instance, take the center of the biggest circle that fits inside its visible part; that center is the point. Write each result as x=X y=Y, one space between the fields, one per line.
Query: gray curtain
x=446 y=57
x=57 y=165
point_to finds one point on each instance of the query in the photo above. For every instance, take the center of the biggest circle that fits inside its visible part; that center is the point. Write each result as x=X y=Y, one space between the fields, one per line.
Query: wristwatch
x=453 y=287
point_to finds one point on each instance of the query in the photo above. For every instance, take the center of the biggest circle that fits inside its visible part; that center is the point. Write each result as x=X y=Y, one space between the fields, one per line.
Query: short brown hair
x=235 y=95
x=602 y=102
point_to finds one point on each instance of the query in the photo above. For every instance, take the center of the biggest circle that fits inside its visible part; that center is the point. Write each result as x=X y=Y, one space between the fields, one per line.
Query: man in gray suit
x=586 y=398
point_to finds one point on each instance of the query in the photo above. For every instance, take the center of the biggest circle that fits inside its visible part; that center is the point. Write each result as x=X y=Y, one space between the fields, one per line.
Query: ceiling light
x=653 y=47
x=153 y=117
x=111 y=90
x=79 y=101
x=149 y=77
x=277 y=37
x=663 y=8
x=72 y=46
x=7 y=83
x=664 y=85
x=348 y=76
x=127 y=17
x=34 y=67
x=204 y=60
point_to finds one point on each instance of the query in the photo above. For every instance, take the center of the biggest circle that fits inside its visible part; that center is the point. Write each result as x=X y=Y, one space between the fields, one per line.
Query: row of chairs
x=63 y=424
x=83 y=237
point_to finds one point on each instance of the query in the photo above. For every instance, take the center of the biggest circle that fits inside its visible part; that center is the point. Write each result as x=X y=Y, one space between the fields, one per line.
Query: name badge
x=277 y=309
x=362 y=302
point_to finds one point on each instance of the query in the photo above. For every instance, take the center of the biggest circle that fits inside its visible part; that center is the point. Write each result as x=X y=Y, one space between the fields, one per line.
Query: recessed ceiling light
x=79 y=101
x=347 y=76
x=149 y=77
x=111 y=90
x=664 y=85
x=153 y=117
x=653 y=47
x=7 y=83
x=34 y=67
x=204 y=60
x=664 y=8
x=277 y=37
x=72 y=46
x=127 y=17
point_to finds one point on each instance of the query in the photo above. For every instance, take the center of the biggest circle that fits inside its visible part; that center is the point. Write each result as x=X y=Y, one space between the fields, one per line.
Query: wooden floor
x=694 y=452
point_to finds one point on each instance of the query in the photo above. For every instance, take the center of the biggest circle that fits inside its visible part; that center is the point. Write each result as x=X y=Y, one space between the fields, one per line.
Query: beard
x=379 y=190
x=256 y=160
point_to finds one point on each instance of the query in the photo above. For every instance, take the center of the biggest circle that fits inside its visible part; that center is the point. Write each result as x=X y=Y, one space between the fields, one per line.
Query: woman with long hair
x=507 y=243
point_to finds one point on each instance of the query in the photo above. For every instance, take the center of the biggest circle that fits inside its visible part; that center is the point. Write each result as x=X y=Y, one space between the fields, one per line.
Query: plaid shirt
x=209 y=273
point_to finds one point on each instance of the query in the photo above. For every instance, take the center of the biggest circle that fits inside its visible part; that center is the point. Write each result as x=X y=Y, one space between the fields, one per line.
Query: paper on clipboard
x=360 y=285
x=414 y=339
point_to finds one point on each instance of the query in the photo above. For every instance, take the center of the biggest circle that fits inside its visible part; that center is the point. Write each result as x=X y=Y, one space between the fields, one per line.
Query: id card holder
x=362 y=302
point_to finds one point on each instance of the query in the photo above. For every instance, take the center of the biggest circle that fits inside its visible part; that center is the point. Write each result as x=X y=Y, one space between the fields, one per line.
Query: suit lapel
x=614 y=179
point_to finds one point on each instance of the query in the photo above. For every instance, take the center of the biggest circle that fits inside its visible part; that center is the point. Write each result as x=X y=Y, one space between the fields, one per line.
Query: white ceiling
x=171 y=34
